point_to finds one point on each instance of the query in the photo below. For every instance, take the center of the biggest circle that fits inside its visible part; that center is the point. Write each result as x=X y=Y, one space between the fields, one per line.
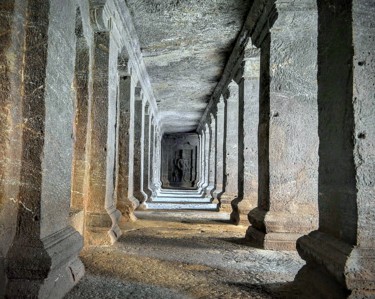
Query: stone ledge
x=281 y=222
x=283 y=241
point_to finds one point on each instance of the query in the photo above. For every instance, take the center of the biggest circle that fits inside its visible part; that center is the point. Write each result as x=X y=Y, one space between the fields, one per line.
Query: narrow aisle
x=184 y=254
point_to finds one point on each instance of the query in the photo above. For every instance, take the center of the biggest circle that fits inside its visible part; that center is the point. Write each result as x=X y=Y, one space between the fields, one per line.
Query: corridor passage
x=187 y=149
x=185 y=254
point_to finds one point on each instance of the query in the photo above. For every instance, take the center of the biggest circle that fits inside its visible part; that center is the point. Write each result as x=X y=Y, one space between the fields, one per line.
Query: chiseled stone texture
x=137 y=174
x=231 y=146
x=43 y=257
x=288 y=154
x=126 y=97
x=185 y=45
x=12 y=18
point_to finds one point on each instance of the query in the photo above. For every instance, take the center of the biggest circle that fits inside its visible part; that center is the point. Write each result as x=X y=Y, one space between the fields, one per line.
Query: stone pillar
x=158 y=165
x=35 y=108
x=164 y=164
x=212 y=147
x=220 y=123
x=81 y=86
x=200 y=161
x=151 y=174
x=231 y=152
x=206 y=158
x=340 y=254
x=247 y=137
x=288 y=139
x=131 y=160
x=145 y=155
x=12 y=21
x=101 y=212
x=137 y=174
x=126 y=97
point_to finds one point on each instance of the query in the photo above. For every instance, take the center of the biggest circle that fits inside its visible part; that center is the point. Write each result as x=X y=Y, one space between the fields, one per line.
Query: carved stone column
x=248 y=137
x=231 y=143
x=164 y=164
x=288 y=139
x=158 y=160
x=220 y=123
x=145 y=155
x=200 y=161
x=36 y=139
x=81 y=85
x=206 y=158
x=126 y=97
x=151 y=174
x=340 y=254
x=101 y=212
x=131 y=160
x=212 y=147
x=137 y=174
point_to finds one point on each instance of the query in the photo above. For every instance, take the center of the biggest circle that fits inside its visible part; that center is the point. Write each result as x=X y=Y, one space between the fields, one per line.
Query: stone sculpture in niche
x=179 y=160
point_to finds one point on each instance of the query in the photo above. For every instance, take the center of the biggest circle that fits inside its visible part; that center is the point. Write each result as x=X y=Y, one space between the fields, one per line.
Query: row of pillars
x=288 y=145
x=118 y=142
x=102 y=165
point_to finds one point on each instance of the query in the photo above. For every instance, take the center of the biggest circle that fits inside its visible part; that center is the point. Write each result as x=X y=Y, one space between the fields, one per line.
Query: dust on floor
x=185 y=255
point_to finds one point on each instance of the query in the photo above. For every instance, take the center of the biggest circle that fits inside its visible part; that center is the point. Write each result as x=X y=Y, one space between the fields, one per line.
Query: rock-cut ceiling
x=185 y=45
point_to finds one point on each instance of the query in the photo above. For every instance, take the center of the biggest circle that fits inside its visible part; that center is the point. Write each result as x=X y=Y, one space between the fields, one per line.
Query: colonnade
x=286 y=143
x=80 y=138
x=286 y=124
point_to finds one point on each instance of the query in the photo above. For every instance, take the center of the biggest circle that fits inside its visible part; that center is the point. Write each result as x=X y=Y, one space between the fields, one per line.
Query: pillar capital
x=231 y=92
x=220 y=106
x=123 y=67
x=251 y=62
x=98 y=21
x=138 y=93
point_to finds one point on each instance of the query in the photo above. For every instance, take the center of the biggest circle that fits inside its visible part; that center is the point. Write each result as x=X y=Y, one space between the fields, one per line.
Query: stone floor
x=185 y=255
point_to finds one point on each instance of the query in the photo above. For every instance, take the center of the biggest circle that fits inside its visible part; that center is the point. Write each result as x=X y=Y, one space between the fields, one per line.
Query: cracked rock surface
x=185 y=45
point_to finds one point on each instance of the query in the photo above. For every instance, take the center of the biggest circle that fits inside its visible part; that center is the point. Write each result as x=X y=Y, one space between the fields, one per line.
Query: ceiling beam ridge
x=130 y=41
x=258 y=9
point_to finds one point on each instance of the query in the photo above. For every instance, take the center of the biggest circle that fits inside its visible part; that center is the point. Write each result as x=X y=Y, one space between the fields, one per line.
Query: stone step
x=182 y=199
x=181 y=206
x=180 y=195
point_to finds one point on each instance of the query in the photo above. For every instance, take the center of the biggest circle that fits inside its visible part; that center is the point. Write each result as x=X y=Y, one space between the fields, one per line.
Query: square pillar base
x=240 y=209
x=101 y=228
x=348 y=271
x=48 y=270
x=272 y=241
x=277 y=231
